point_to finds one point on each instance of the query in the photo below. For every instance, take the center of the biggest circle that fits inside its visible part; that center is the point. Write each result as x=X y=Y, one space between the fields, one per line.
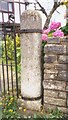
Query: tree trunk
x=46 y=25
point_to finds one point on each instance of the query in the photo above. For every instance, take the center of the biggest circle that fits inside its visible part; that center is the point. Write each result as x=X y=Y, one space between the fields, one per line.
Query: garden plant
x=11 y=110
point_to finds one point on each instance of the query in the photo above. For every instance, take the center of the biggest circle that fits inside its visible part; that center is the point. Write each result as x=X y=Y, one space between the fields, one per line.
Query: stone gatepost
x=56 y=74
x=31 y=25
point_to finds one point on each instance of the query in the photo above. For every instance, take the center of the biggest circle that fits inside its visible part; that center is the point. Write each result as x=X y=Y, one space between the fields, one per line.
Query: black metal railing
x=9 y=72
x=9 y=69
x=3 y=80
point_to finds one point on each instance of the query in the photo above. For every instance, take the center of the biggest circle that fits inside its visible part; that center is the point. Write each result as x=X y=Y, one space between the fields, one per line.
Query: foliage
x=65 y=2
x=9 y=107
x=55 y=114
x=10 y=49
x=51 y=115
x=53 y=30
x=12 y=110
x=65 y=29
x=44 y=43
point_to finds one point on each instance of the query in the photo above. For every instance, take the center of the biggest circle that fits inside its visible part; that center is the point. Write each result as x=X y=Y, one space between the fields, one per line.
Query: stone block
x=67 y=85
x=64 y=39
x=54 y=49
x=48 y=107
x=55 y=94
x=62 y=95
x=50 y=58
x=54 y=85
x=60 y=67
x=67 y=99
x=63 y=59
x=50 y=71
x=55 y=101
x=53 y=40
x=55 y=75
x=51 y=93
x=53 y=107
x=62 y=75
x=48 y=66
x=48 y=76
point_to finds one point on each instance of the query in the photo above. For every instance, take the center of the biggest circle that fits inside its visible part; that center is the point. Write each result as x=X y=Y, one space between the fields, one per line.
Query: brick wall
x=56 y=74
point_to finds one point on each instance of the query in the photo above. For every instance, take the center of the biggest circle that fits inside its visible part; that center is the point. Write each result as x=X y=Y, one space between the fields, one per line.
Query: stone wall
x=56 y=74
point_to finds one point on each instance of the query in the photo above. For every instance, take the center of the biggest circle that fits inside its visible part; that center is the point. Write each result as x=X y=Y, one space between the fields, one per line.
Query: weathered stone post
x=31 y=25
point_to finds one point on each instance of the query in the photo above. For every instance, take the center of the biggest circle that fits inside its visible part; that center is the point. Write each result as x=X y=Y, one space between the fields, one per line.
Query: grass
x=12 y=109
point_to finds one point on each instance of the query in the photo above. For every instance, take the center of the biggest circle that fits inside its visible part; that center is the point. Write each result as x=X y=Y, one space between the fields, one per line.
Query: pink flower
x=44 y=37
x=55 y=25
x=58 y=33
x=46 y=31
x=58 y=24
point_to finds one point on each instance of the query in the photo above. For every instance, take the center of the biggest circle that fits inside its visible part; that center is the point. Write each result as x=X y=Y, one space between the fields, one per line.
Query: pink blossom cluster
x=45 y=34
x=55 y=25
x=58 y=33
x=54 y=28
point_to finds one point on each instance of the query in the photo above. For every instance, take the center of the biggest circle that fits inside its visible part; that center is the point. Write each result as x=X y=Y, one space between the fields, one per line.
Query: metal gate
x=9 y=65
x=9 y=68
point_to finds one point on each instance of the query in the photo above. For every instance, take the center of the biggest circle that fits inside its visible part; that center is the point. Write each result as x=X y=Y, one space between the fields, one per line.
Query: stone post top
x=31 y=19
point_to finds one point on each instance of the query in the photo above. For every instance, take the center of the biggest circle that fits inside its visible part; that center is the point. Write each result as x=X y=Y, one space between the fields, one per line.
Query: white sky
x=56 y=16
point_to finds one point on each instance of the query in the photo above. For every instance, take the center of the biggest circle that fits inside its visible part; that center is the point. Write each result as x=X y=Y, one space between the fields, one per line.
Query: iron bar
x=12 y=78
x=3 y=77
x=15 y=58
x=30 y=31
x=6 y=60
x=0 y=86
x=7 y=75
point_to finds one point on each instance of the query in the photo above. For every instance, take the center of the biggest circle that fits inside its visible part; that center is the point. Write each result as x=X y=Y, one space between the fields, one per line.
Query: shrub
x=9 y=107
x=65 y=29
x=10 y=50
